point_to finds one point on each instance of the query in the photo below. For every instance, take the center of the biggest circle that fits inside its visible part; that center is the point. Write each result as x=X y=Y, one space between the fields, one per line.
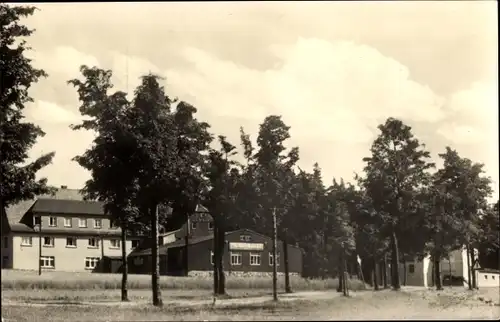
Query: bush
x=22 y=280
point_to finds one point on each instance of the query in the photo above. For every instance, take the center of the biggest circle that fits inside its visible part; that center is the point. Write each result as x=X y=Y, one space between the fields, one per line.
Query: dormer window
x=194 y=224
x=82 y=222
x=52 y=222
x=37 y=220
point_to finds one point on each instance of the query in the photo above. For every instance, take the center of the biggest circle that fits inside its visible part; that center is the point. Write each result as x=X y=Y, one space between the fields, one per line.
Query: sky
x=333 y=70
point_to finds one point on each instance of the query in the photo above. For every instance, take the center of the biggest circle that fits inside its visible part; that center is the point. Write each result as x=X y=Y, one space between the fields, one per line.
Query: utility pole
x=275 y=272
x=39 y=226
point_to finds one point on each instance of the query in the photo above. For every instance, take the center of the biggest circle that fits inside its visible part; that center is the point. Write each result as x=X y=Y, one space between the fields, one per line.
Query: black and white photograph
x=249 y=161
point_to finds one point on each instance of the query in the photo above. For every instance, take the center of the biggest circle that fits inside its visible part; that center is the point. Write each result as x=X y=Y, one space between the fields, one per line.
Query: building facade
x=61 y=233
x=246 y=253
x=454 y=270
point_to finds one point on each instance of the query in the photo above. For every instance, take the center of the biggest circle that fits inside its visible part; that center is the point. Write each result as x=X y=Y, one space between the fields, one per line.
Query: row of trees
x=151 y=153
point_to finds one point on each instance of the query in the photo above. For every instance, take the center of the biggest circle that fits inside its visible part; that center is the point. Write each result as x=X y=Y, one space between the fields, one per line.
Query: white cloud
x=63 y=60
x=50 y=113
x=322 y=89
x=472 y=126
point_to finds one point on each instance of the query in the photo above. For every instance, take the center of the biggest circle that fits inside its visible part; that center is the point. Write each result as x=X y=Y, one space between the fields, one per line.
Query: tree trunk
x=215 y=262
x=473 y=271
x=221 y=290
x=375 y=274
x=372 y=276
x=395 y=262
x=437 y=273
x=469 y=268
x=344 y=274
x=124 y=263
x=384 y=272
x=340 y=273
x=186 y=245
x=288 y=288
x=155 y=275
x=275 y=271
x=405 y=277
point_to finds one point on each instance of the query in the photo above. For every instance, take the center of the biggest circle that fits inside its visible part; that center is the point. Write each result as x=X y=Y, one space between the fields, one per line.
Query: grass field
x=28 y=297
x=364 y=305
x=30 y=280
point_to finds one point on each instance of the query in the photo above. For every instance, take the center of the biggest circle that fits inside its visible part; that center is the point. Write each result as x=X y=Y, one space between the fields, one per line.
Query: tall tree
x=465 y=184
x=442 y=227
x=341 y=231
x=397 y=167
x=489 y=246
x=272 y=176
x=154 y=132
x=193 y=142
x=221 y=199
x=18 y=178
x=113 y=178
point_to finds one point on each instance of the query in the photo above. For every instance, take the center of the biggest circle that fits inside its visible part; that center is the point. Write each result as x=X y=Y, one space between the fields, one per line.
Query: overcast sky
x=333 y=70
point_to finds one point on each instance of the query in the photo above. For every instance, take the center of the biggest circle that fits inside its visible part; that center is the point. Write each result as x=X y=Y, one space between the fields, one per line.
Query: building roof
x=64 y=206
x=16 y=211
x=63 y=201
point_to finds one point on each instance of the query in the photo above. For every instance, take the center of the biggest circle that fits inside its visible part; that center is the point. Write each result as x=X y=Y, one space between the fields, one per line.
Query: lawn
x=364 y=305
x=29 y=280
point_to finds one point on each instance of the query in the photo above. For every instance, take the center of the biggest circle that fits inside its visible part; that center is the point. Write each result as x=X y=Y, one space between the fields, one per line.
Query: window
x=254 y=259
x=5 y=261
x=160 y=240
x=112 y=224
x=5 y=242
x=91 y=262
x=411 y=268
x=245 y=238
x=70 y=242
x=48 y=241
x=97 y=223
x=271 y=257
x=36 y=220
x=26 y=241
x=212 y=258
x=193 y=225
x=235 y=259
x=47 y=262
x=52 y=222
x=485 y=277
x=135 y=243
x=68 y=222
x=493 y=276
x=210 y=225
x=93 y=243
x=115 y=243
x=82 y=223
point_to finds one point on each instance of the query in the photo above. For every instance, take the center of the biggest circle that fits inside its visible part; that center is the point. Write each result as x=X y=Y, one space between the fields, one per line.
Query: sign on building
x=246 y=246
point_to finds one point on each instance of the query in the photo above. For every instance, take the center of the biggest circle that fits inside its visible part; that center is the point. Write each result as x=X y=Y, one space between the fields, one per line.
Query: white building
x=420 y=273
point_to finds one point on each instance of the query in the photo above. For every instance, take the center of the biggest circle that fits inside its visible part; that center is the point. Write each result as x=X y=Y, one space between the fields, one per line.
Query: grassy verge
x=361 y=306
x=29 y=280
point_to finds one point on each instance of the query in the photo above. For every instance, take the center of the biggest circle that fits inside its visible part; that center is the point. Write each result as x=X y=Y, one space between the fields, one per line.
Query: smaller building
x=454 y=270
x=247 y=253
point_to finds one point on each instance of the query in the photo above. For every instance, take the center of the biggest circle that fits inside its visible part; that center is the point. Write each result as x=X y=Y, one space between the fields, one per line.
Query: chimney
x=64 y=187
